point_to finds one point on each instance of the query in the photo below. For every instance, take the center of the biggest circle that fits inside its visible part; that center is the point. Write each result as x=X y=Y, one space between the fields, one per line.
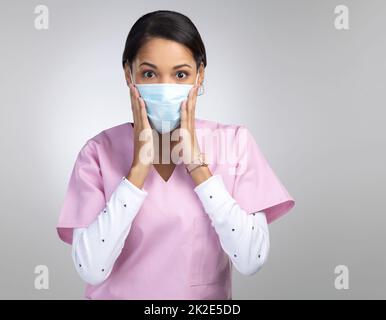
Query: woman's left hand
x=188 y=138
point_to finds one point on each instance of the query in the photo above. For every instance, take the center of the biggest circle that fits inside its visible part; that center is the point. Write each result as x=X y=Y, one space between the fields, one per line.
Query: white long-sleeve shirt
x=244 y=237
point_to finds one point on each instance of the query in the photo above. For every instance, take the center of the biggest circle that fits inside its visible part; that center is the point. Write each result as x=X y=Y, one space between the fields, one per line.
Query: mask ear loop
x=132 y=79
x=131 y=76
x=200 y=92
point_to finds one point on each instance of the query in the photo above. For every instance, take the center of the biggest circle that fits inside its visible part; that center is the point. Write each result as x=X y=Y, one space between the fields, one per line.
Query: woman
x=153 y=209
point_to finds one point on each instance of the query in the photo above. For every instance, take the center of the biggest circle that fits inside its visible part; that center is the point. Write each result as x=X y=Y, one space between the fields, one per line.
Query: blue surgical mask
x=163 y=102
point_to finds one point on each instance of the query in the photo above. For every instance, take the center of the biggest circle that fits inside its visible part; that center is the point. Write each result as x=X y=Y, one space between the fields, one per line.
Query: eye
x=147 y=72
x=180 y=74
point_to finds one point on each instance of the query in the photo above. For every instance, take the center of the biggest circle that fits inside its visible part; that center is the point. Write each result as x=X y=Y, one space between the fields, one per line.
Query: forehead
x=164 y=52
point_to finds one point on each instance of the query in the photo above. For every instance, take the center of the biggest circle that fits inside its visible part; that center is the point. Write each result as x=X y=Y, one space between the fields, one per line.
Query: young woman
x=166 y=215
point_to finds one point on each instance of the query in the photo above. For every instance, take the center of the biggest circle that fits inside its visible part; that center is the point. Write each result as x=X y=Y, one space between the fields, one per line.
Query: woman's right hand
x=143 y=144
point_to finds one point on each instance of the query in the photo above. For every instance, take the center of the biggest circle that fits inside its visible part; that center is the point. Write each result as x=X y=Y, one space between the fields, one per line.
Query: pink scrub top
x=172 y=251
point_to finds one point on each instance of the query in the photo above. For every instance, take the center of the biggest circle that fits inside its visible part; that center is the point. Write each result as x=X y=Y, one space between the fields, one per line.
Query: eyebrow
x=175 y=67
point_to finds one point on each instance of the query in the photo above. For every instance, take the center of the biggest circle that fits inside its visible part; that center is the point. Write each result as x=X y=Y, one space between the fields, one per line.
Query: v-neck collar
x=156 y=174
x=153 y=171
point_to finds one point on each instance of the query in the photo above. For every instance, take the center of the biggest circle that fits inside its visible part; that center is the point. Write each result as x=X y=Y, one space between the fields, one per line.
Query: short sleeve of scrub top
x=85 y=197
x=256 y=186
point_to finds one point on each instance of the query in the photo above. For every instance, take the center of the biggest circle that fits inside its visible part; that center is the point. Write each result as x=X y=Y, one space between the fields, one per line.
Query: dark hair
x=165 y=24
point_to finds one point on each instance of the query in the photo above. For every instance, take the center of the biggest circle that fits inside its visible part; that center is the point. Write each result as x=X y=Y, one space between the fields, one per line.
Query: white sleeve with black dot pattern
x=244 y=237
x=96 y=247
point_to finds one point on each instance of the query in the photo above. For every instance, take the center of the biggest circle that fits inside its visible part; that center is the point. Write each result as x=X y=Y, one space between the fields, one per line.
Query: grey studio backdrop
x=312 y=95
